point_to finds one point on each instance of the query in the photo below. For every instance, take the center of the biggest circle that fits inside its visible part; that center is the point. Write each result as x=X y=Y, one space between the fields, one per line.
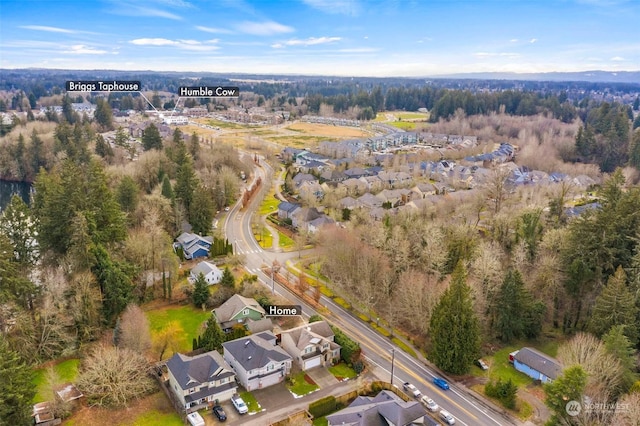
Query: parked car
x=219 y=413
x=430 y=404
x=512 y=356
x=441 y=383
x=239 y=404
x=413 y=391
x=447 y=417
x=480 y=363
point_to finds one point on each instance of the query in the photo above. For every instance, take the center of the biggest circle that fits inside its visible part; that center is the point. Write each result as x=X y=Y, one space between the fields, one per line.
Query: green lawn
x=340 y=301
x=67 y=371
x=298 y=386
x=404 y=125
x=251 y=402
x=155 y=417
x=226 y=124
x=189 y=318
x=284 y=241
x=269 y=204
x=501 y=368
x=342 y=371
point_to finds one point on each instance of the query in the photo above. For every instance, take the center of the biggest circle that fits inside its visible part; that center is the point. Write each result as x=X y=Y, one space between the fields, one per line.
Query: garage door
x=310 y=363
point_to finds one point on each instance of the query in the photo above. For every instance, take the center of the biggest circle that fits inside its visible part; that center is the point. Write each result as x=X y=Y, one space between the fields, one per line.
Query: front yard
x=342 y=371
x=301 y=384
x=252 y=403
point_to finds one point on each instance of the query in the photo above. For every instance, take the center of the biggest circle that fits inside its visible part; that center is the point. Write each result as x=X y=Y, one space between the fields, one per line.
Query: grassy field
x=327 y=130
x=404 y=125
x=155 y=417
x=269 y=204
x=226 y=124
x=342 y=371
x=189 y=318
x=298 y=385
x=299 y=141
x=320 y=421
x=503 y=369
x=67 y=371
x=284 y=241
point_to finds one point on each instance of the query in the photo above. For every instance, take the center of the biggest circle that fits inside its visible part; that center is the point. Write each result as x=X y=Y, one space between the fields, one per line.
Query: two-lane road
x=377 y=349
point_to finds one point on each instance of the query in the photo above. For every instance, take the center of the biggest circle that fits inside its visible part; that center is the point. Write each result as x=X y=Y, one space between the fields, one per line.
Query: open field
x=67 y=372
x=189 y=318
x=327 y=130
x=387 y=116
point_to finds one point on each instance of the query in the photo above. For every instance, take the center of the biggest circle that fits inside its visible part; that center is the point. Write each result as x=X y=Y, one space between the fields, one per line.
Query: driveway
x=322 y=377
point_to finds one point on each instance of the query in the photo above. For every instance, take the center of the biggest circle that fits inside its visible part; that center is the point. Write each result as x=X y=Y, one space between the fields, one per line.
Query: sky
x=323 y=37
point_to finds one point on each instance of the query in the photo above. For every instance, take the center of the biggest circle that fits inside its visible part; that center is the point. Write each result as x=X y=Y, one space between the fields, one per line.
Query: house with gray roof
x=348 y=203
x=199 y=381
x=257 y=360
x=193 y=245
x=212 y=274
x=238 y=310
x=316 y=224
x=311 y=345
x=384 y=409
x=537 y=365
x=286 y=209
x=369 y=200
x=303 y=177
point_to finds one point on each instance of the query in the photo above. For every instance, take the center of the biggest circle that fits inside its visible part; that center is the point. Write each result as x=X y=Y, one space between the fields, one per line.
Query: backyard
x=66 y=372
x=188 y=317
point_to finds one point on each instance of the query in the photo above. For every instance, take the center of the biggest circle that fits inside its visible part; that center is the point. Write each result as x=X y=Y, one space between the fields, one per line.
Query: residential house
x=356 y=172
x=316 y=224
x=311 y=189
x=212 y=274
x=199 y=381
x=537 y=365
x=373 y=183
x=300 y=178
x=257 y=361
x=193 y=245
x=423 y=189
x=333 y=176
x=311 y=345
x=285 y=210
x=238 y=310
x=354 y=186
x=301 y=217
x=313 y=166
x=396 y=197
x=384 y=409
x=370 y=201
x=348 y=203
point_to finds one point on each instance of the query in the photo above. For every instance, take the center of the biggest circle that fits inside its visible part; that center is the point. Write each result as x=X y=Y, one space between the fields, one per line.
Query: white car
x=413 y=391
x=447 y=417
x=239 y=404
x=430 y=404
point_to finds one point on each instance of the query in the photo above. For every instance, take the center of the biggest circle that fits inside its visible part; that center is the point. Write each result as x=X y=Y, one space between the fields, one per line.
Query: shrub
x=323 y=406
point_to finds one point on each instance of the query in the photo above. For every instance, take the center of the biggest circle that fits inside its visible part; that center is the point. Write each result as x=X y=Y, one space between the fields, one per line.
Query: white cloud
x=50 y=29
x=617 y=58
x=496 y=55
x=263 y=28
x=335 y=7
x=195 y=45
x=81 y=49
x=213 y=30
x=533 y=40
x=514 y=40
x=311 y=41
x=128 y=8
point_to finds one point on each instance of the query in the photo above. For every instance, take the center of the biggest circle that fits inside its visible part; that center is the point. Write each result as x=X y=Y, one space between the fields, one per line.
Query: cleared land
x=327 y=130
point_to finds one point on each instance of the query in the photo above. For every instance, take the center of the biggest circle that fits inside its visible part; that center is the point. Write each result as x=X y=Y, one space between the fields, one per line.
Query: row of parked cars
x=430 y=403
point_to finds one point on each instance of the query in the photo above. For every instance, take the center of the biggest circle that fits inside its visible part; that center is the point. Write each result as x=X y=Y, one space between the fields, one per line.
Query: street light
x=393 y=358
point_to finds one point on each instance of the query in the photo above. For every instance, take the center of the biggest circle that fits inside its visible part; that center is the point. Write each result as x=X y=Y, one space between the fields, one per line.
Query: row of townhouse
x=330 y=120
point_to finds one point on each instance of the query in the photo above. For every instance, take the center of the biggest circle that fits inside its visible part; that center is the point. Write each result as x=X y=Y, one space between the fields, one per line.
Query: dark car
x=441 y=383
x=219 y=413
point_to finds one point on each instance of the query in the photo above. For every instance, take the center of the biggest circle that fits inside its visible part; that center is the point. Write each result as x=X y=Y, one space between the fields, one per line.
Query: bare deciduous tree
x=167 y=339
x=134 y=330
x=113 y=376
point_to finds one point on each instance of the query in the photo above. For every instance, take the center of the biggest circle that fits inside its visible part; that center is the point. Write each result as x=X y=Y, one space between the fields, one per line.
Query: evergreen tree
x=454 y=327
x=200 y=292
x=618 y=345
x=16 y=388
x=186 y=183
x=103 y=149
x=151 y=138
x=568 y=387
x=194 y=146
x=114 y=278
x=103 y=114
x=14 y=286
x=122 y=139
x=67 y=110
x=167 y=190
x=37 y=153
x=127 y=195
x=202 y=211
x=213 y=337
x=634 y=147
x=636 y=104
x=615 y=306
x=516 y=314
x=227 y=280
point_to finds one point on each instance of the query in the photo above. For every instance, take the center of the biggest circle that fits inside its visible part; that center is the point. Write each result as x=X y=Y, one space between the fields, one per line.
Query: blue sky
x=339 y=37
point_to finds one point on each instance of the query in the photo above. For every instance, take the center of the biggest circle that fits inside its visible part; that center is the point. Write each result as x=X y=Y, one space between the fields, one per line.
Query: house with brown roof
x=238 y=310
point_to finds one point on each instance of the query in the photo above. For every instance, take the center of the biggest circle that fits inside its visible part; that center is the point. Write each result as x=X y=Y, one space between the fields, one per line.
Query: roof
x=190 y=371
x=204 y=268
x=234 y=305
x=264 y=324
x=303 y=335
x=543 y=363
x=256 y=351
x=288 y=207
x=383 y=409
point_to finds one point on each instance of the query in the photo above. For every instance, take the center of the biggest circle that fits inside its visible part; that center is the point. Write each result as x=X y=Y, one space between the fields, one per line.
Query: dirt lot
x=326 y=130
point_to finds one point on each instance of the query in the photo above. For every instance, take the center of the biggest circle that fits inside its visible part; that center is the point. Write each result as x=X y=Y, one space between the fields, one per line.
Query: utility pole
x=393 y=358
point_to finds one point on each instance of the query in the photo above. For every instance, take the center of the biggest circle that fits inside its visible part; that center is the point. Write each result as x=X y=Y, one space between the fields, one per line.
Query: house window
x=245 y=312
x=270 y=367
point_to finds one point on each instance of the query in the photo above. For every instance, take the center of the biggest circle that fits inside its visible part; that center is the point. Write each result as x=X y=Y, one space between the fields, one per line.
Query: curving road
x=466 y=408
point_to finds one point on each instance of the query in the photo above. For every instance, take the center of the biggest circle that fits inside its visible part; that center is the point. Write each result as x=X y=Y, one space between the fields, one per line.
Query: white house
x=212 y=274
x=311 y=345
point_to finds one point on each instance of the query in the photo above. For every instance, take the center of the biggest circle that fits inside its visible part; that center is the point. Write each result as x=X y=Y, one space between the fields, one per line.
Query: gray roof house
x=537 y=365
x=238 y=310
x=286 y=209
x=315 y=225
x=193 y=245
x=212 y=274
x=311 y=345
x=370 y=201
x=303 y=177
x=384 y=409
x=257 y=361
x=199 y=381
